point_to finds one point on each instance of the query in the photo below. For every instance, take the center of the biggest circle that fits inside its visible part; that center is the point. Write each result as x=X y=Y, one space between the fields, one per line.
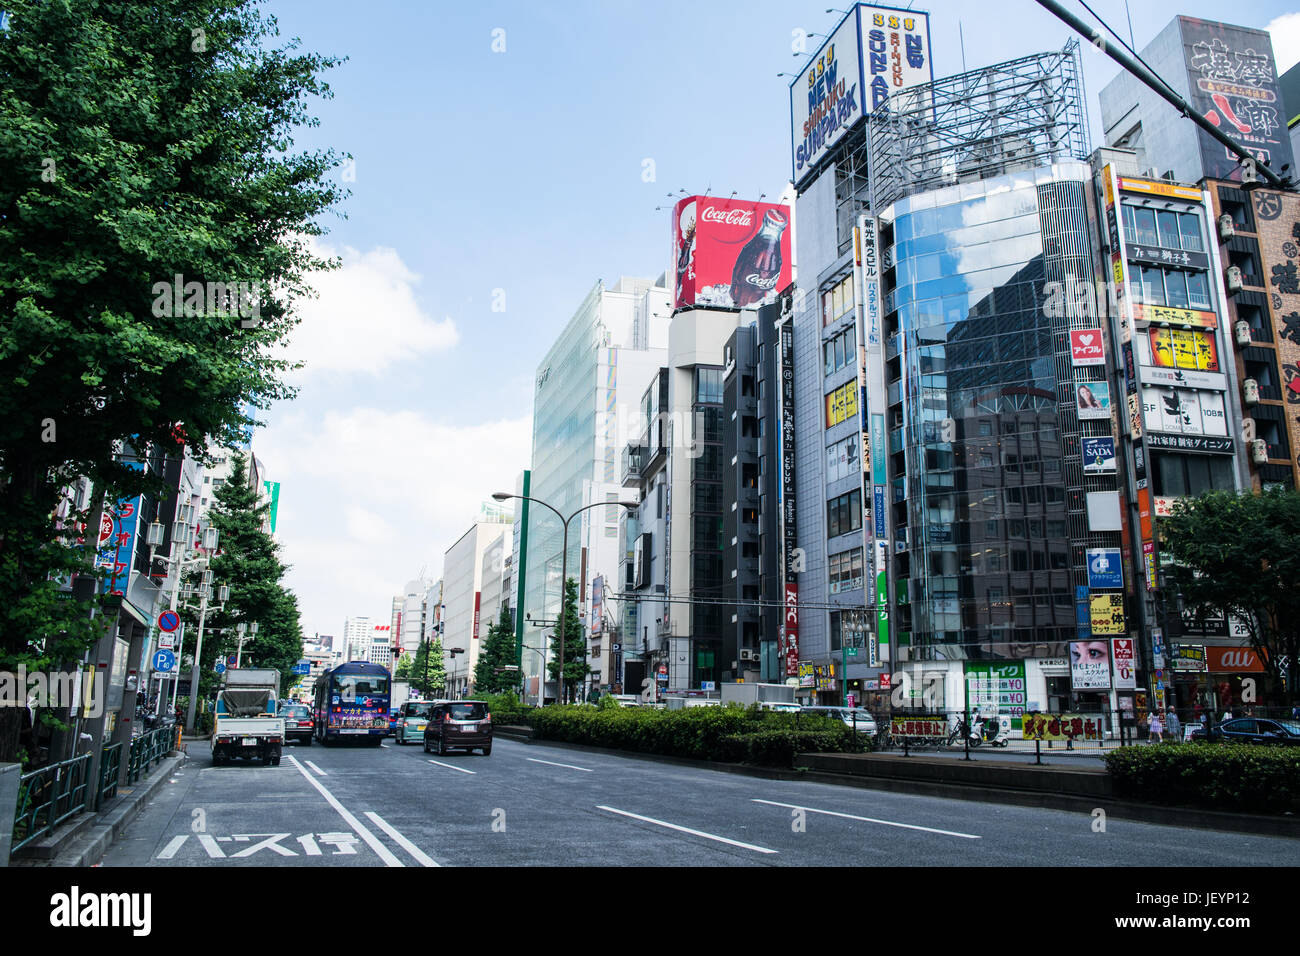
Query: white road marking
x=172 y=846
x=554 y=764
x=699 y=833
x=316 y=768
x=452 y=767
x=357 y=826
x=885 y=823
x=423 y=858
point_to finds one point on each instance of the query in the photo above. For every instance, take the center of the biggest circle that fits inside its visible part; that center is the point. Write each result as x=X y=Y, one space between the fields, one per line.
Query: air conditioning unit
x=1259 y=451
x=1226 y=228
x=1250 y=391
x=1234 y=278
x=747 y=655
x=1242 y=328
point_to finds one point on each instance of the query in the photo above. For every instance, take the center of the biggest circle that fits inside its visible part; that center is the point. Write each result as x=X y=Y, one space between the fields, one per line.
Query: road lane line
x=357 y=826
x=423 y=858
x=451 y=767
x=316 y=768
x=554 y=764
x=172 y=846
x=699 y=833
x=886 y=823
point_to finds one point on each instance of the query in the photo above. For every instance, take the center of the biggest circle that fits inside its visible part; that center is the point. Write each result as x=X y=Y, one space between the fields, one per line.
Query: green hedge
x=702 y=733
x=1239 y=777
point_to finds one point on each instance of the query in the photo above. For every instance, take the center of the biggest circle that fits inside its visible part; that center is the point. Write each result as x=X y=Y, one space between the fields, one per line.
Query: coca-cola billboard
x=729 y=253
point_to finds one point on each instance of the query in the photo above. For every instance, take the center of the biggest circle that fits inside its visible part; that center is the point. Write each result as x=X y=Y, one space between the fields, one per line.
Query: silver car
x=855 y=718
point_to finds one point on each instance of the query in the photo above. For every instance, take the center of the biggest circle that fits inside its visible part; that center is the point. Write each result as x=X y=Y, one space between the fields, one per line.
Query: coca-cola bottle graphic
x=759 y=264
x=686 y=253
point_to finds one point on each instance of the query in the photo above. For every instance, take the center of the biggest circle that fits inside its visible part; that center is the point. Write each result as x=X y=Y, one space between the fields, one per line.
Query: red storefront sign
x=1233 y=660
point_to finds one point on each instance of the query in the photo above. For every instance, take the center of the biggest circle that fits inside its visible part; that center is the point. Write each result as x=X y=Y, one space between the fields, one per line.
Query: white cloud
x=369 y=497
x=1286 y=42
x=367 y=316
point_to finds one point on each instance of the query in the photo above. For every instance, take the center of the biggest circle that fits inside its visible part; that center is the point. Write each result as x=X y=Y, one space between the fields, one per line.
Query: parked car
x=411 y=721
x=393 y=717
x=781 y=706
x=851 y=716
x=298 y=723
x=1252 y=730
x=459 y=724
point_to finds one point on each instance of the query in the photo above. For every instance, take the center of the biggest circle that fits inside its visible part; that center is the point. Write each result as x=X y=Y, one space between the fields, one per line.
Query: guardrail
x=47 y=797
x=110 y=766
x=148 y=749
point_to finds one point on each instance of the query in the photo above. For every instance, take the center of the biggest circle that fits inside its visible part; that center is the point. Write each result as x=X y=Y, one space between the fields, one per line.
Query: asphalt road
x=530 y=804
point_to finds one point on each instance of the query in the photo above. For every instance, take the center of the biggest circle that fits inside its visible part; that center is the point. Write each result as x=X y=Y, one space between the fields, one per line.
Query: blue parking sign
x=164 y=660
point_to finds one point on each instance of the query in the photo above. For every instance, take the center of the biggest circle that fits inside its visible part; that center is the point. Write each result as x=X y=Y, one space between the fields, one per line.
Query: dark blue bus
x=352 y=703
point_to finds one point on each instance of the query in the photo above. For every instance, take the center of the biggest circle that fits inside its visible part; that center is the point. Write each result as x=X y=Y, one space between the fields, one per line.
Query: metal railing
x=110 y=766
x=148 y=749
x=47 y=797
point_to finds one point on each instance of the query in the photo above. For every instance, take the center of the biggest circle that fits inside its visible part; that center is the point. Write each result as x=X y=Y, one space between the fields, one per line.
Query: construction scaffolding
x=1019 y=115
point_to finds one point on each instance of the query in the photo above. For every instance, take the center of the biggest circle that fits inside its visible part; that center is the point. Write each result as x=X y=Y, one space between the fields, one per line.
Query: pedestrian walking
x=1173 y=726
x=1157 y=728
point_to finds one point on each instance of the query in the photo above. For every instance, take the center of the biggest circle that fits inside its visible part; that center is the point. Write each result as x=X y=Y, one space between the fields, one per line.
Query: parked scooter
x=995 y=730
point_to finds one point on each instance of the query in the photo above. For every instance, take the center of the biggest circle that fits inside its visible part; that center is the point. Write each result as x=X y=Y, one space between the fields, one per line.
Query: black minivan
x=459 y=725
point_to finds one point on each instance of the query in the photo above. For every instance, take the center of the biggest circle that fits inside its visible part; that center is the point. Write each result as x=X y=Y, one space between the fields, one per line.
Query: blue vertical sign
x=117 y=536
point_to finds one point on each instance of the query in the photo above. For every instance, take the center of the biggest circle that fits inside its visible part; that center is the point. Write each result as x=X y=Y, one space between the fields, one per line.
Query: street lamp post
x=181 y=531
x=564 y=568
x=223 y=595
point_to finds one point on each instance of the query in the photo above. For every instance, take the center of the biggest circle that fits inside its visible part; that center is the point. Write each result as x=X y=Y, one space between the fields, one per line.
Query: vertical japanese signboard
x=789 y=640
x=871 y=374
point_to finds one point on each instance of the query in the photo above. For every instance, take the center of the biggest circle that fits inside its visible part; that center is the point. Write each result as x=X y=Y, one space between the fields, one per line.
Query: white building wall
x=462 y=580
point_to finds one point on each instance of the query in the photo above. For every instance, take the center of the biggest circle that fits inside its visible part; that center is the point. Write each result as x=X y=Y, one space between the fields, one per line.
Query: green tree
x=1241 y=554
x=496 y=654
x=428 y=673
x=248 y=562
x=575 y=644
x=139 y=142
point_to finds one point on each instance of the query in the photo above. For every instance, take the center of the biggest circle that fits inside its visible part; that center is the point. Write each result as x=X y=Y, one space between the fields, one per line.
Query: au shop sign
x=1086 y=348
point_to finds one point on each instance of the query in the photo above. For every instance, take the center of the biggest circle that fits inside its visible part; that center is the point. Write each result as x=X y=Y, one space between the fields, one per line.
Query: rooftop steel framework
x=1021 y=114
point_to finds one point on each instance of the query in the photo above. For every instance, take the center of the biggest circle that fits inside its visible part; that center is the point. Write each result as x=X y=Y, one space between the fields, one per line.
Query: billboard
x=1193 y=349
x=1098 y=455
x=842 y=403
x=730 y=253
x=1277 y=218
x=1090 y=664
x=1093 y=399
x=1123 y=652
x=1107 y=613
x=1085 y=347
x=1232 y=80
x=1105 y=569
x=874 y=52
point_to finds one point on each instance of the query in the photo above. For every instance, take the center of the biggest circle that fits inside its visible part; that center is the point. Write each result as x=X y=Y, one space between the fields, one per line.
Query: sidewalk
x=83 y=840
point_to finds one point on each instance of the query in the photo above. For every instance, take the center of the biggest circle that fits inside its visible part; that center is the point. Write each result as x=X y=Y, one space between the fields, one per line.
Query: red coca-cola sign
x=729 y=253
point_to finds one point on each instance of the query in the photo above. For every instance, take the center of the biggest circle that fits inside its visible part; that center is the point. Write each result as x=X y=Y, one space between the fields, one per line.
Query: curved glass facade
x=984 y=449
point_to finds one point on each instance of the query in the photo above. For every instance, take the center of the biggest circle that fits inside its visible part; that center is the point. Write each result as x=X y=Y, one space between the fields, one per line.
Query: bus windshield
x=353 y=686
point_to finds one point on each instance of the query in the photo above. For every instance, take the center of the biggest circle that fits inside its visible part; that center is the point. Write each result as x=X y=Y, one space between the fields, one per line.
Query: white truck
x=760 y=694
x=246 y=722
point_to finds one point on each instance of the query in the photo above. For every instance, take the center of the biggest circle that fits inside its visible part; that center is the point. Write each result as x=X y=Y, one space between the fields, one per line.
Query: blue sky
x=525 y=171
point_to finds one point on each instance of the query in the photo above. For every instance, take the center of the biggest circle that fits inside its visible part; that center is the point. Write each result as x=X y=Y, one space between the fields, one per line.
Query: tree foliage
x=575 y=644
x=138 y=142
x=496 y=654
x=1241 y=554
x=248 y=563
x=426 y=671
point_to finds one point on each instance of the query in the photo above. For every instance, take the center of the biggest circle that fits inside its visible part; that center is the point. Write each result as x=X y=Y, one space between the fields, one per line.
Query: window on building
x=1176 y=289
x=1198 y=290
x=1189 y=227
x=844 y=513
x=1167 y=226
x=1191 y=475
x=708 y=386
x=1144 y=221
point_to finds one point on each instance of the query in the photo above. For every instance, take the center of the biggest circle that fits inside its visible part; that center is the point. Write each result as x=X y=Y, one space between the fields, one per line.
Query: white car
x=853 y=717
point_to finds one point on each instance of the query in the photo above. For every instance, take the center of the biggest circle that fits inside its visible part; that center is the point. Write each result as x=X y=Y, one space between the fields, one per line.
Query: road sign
x=168 y=621
x=164 y=660
x=221 y=666
x=167 y=641
x=302 y=667
x=616 y=647
x=232 y=660
x=708 y=685
x=851 y=651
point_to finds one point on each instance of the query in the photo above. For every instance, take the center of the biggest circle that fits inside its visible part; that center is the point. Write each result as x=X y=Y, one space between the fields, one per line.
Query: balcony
x=633 y=457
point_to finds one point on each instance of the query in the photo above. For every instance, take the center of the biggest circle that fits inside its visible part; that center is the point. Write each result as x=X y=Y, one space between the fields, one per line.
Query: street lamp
x=205 y=593
x=564 y=565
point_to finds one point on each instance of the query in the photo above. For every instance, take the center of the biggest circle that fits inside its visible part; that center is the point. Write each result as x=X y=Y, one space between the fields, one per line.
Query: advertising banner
x=1085 y=347
x=1093 y=399
x=997 y=688
x=842 y=404
x=1098 y=455
x=1182 y=378
x=1233 y=660
x=1184 y=412
x=1123 y=652
x=1193 y=349
x=1233 y=82
x=1191 y=443
x=791 y=629
x=1192 y=318
x=115 y=547
x=928 y=727
x=1107 y=613
x=1090 y=663
x=1277 y=219
x=1189 y=657
x=1062 y=727
x=843 y=81
x=1105 y=569
x=730 y=253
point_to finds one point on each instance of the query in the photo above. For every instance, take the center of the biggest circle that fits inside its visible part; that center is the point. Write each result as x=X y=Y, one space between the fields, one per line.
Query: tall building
x=582 y=414
x=462 y=596
x=355 y=639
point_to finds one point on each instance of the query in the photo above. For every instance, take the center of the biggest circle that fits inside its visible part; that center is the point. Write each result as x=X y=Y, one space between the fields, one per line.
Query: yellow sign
x=842 y=404
x=1159 y=189
x=1061 y=727
x=1167 y=313
x=1107 y=614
